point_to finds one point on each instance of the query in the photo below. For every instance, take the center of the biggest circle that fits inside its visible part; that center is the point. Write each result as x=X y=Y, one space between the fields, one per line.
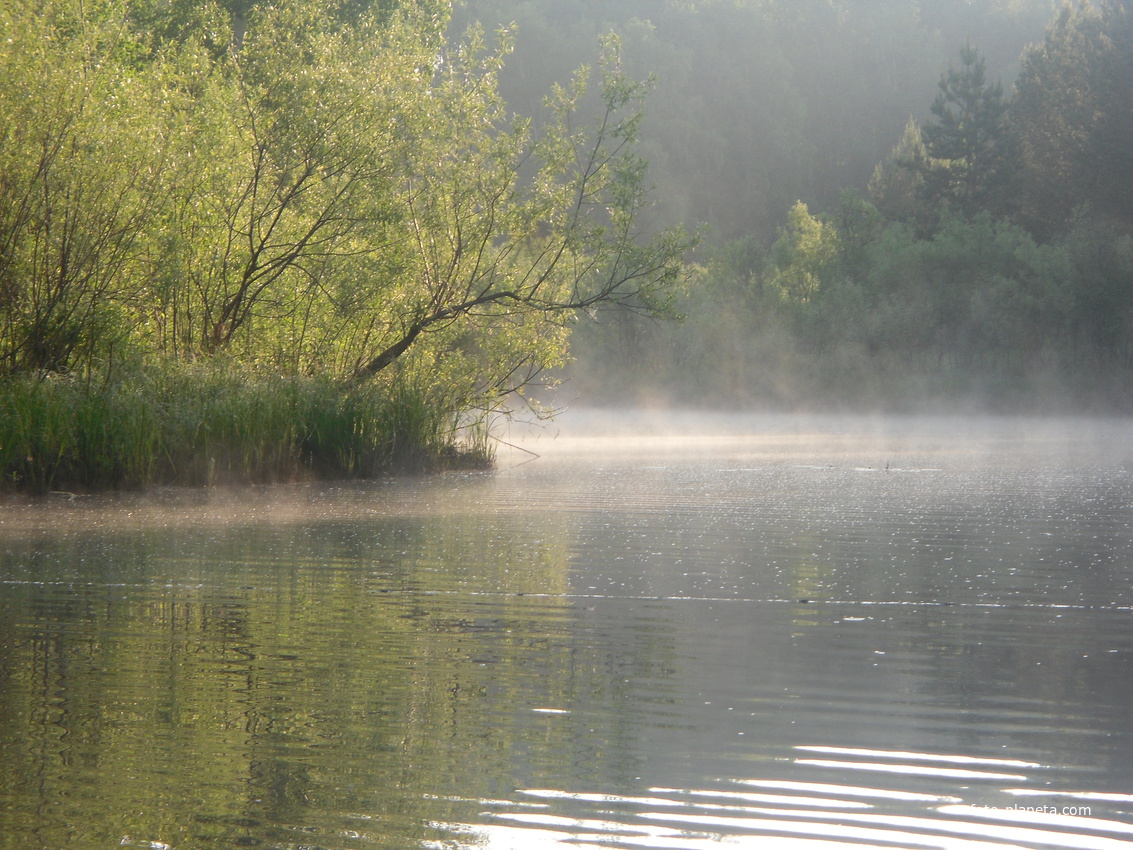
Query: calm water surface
x=794 y=633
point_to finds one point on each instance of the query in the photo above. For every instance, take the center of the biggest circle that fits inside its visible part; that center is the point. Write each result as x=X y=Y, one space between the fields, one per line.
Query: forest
x=250 y=242
x=903 y=206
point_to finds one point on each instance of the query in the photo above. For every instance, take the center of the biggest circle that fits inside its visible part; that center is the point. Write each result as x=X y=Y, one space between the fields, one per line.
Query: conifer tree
x=971 y=159
x=897 y=182
x=1073 y=112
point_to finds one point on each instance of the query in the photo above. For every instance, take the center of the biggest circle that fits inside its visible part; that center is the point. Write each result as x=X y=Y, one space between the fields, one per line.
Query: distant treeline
x=985 y=256
x=760 y=103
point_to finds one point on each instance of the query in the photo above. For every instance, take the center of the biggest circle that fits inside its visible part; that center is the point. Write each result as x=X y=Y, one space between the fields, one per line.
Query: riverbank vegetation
x=255 y=241
x=245 y=242
x=224 y=423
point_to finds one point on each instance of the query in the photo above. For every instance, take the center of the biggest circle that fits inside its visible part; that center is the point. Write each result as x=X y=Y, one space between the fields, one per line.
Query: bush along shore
x=214 y=424
x=294 y=239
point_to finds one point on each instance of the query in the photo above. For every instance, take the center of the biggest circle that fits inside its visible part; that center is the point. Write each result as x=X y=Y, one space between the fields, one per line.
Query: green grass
x=215 y=424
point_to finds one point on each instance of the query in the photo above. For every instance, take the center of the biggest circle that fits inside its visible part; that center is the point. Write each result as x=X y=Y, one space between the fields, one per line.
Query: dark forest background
x=902 y=203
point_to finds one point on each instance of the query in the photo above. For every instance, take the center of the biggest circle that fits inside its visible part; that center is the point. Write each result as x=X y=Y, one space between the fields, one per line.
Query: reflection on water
x=811 y=633
x=677 y=818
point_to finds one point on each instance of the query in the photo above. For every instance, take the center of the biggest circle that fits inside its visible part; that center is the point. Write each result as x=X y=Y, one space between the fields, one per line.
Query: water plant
x=220 y=422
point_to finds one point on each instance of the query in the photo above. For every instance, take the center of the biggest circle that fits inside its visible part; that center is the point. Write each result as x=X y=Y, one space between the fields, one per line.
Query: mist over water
x=289 y=239
x=963 y=441
x=639 y=630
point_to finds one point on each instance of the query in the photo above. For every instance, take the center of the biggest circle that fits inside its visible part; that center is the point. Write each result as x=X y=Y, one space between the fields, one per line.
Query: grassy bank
x=203 y=425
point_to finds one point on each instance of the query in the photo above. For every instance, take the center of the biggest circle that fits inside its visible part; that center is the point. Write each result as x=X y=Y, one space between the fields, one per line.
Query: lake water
x=782 y=632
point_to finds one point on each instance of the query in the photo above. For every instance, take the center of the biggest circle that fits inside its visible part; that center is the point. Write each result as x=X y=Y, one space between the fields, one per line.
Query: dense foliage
x=849 y=310
x=306 y=193
x=299 y=190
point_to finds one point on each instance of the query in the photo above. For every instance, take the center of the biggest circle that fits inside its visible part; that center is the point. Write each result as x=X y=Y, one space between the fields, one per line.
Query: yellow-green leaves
x=312 y=191
x=804 y=255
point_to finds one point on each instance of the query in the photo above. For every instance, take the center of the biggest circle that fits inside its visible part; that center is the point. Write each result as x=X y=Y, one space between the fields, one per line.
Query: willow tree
x=82 y=145
x=508 y=229
x=309 y=188
x=290 y=154
x=357 y=196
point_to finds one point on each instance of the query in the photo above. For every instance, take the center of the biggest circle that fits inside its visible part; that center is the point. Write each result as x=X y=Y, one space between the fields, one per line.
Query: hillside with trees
x=985 y=262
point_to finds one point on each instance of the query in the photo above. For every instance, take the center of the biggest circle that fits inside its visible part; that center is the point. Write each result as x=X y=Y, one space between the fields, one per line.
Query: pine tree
x=1073 y=114
x=897 y=183
x=971 y=159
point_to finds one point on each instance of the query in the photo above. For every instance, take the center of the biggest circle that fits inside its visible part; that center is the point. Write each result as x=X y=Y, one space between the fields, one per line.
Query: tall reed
x=218 y=424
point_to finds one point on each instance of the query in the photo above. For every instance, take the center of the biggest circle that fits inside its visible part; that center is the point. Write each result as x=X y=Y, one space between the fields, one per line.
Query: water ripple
x=805 y=815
